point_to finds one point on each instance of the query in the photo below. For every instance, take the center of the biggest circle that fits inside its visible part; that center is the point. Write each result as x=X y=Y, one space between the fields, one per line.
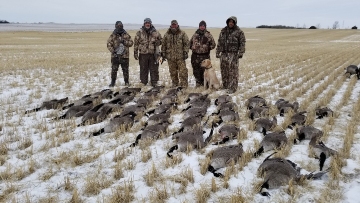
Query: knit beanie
x=174 y=22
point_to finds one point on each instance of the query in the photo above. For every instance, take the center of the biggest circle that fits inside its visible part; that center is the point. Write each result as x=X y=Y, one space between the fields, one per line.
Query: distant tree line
x=3 y=21
x=277 y=27
x=335 y=26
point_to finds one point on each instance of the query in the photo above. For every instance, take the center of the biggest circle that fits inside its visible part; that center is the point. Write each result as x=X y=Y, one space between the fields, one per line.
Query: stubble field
x=45 y=160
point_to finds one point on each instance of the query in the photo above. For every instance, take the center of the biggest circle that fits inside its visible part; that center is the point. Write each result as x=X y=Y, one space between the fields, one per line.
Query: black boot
x=112 y=84
x=113 y=77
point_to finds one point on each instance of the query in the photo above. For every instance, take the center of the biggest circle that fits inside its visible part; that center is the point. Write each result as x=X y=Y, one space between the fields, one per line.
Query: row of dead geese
x=278 y=171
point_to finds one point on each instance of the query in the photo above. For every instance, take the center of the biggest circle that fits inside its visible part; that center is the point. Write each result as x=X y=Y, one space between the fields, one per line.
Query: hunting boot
x=113 y=77
x=126 y=79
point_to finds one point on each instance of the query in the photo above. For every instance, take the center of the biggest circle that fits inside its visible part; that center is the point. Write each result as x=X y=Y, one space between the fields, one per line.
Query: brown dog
x=210 y=75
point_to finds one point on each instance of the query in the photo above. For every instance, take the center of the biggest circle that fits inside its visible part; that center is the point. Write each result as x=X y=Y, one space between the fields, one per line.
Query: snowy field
x=46 y=160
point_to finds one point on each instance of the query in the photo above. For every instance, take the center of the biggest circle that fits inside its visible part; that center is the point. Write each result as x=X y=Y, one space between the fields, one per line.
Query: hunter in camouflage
x=175 y=48
x=147 y=42
x=118 y=44
x=201 y=43
x=230 y=48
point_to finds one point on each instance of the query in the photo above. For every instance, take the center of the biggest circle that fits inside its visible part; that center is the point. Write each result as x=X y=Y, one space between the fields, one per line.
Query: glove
x=185 y=55
x=136 y=56
x=217 y=54
x=114 y=54
x=240 y=56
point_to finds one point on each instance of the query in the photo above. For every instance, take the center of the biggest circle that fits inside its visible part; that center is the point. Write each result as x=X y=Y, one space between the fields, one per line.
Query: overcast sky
x=250 y=13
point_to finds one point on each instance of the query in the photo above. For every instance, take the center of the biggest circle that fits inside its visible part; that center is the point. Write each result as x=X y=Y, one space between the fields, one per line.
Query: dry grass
x=95 y=183
x=202 y=194
x=122 y=193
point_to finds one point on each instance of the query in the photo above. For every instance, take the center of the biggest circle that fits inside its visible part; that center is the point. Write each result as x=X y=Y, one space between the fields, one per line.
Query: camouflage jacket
x=231 y=41
x=114 y=41
x=175 y=44
x=146 y=41
x=202 y=43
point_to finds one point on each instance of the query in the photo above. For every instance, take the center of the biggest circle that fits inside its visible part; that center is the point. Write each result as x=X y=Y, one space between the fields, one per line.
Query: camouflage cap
x=118 y=23
x=147 y=20
x=174 y=22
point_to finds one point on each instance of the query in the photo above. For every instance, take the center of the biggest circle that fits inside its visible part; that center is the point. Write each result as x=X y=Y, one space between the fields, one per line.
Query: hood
x=232 y=18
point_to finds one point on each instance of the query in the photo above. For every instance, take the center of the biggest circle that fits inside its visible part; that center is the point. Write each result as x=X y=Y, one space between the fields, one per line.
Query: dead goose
x=96 y=114
x=116 y=123
x=278 y=172
x=77 y=111
x=323 y=112
x=144 y=101
x=168 y=99
x=279 y=102
x=123 y=99
x=321 y=151
x=83 y=100
x=226 y=116
x=308 y=133
x=223 y=99
x=353 y=70
x=255 y=101
x=192 y=96
x=127 y=90
x=227 y=132
x=298 y=119
x=152 y=132
x=136 y=108
x=163 y=108
x=259 y=111
x=158 y=118
x=223 y=156
x=193 y=139
x=191 y=123
x=174 y=91
x=52 y=104
x=200 y=101
x=285 y=107
x=157 y=89
x=195 y=112
x=199 y=104
x=153 y=92
x=228 y=106
x=271 y=141
x=263 y=124
x=100 y=112
x=103 y=94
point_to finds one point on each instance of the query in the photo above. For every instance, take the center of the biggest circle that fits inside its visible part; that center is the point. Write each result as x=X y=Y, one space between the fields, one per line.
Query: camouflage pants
x=178 y=71
x=229 y=65
x=198 y=71
x=124 y=62
x=147 y=65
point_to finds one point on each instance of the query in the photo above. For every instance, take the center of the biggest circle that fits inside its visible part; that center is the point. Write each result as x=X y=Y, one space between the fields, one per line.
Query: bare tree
x=335 y=25
x=318 y=26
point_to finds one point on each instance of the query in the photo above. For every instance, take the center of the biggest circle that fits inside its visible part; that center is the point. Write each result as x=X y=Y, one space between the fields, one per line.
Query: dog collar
x=209 y=67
